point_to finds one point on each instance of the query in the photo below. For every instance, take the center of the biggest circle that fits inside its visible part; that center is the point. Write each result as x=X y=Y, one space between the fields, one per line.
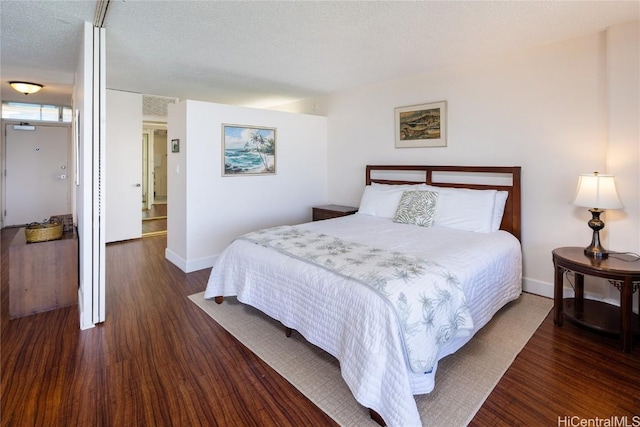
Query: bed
x=431 y=255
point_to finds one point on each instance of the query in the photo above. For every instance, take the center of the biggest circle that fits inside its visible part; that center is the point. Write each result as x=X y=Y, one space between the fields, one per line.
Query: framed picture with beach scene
x=422 y=125
x=248 y=150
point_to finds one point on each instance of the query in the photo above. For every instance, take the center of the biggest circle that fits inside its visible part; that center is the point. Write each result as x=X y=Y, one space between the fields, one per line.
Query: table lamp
x=597 y=192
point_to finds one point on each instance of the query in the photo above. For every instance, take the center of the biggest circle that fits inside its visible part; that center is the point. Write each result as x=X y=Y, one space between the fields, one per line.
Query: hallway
x=154 y=220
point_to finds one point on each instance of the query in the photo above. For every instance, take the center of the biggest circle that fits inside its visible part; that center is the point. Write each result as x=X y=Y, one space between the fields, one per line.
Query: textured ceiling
x=265 y=53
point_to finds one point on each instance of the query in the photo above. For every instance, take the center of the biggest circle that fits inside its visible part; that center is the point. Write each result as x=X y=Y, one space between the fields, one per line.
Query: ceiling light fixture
x=26 y=87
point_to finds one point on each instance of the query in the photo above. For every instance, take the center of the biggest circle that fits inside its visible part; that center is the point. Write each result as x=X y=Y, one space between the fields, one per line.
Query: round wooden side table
x=621 y=271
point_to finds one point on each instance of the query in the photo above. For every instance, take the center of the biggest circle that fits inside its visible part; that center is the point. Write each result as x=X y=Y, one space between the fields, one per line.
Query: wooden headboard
x=474 y=177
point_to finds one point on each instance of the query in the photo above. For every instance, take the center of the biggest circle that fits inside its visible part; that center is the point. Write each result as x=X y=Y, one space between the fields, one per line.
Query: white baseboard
x=545 y=289
x=189 y=266
x=537 y=287
x=201 y=263
x=175 y=259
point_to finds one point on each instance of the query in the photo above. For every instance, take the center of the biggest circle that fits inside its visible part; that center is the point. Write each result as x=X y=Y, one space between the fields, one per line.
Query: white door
x=123 y=201
x=37 y=174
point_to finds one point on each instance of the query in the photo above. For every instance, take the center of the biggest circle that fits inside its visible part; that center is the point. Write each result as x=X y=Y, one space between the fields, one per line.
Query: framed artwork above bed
x=248 y=150
x=423 y=125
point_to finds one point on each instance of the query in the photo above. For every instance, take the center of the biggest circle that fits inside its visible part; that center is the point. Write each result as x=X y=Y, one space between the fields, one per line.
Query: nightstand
x=620 y=270
x=332 y=211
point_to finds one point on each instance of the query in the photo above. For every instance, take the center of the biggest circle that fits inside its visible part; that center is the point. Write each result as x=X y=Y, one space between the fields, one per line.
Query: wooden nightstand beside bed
x=332 y=211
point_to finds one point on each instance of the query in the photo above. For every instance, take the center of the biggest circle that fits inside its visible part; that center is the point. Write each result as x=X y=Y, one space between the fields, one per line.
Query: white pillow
x=382 y=199
x=465 y=209
x=498 y=209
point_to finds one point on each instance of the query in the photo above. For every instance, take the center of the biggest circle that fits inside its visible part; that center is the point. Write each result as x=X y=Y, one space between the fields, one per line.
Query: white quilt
x=355 y=324
x=427 y=298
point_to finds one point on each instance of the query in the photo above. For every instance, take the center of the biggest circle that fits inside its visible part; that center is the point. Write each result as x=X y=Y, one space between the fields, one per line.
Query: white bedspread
x=355 y=324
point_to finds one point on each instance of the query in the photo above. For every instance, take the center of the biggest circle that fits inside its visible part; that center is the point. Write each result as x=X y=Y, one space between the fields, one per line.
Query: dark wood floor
x=157 y=210
x=154 y=220
x=159 y=360
x=154 y=226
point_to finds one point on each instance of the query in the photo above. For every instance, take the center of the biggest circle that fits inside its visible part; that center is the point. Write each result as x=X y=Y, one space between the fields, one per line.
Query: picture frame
x=248 y=150
x=175 y=145
x=423 y=125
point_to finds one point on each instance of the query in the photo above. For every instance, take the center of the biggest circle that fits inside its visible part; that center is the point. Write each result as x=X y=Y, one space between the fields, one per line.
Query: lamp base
x=595 y=249
x=596 y=252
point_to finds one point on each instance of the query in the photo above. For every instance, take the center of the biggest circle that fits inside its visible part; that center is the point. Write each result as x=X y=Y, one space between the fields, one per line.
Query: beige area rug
x=463 y=380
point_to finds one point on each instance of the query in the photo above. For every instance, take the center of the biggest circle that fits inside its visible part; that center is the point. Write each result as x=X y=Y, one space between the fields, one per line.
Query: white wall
x=557 y=111
x=623 y=150
x=177 y=237
x=206 y=211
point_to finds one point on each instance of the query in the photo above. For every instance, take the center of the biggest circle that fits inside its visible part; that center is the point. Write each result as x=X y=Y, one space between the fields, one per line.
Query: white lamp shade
x=597 y=192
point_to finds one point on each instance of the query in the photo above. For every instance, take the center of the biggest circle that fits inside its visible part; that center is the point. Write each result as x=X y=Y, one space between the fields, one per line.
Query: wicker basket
x=43 y=232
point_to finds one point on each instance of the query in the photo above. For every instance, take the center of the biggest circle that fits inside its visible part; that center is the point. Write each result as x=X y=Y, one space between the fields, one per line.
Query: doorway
x=36 y=173
x=154 y=179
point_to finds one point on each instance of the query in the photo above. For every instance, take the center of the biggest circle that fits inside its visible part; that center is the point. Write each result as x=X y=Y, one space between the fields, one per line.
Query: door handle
x=138 y=185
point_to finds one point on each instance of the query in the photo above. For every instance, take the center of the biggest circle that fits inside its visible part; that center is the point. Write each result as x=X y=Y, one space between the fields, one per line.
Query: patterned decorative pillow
x=417 y=207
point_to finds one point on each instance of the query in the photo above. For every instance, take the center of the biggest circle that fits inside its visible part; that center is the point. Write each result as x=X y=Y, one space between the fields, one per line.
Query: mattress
x=353 y=323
